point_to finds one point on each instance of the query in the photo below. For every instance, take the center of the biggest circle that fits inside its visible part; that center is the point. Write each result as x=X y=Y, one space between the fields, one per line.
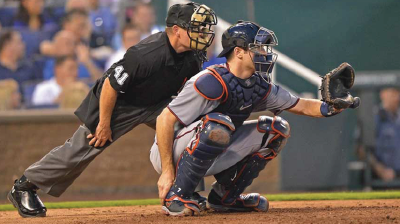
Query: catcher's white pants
x=245 y=141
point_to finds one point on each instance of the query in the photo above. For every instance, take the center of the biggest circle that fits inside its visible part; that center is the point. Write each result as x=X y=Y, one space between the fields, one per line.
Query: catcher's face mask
x=264 y=58
x=200 y=29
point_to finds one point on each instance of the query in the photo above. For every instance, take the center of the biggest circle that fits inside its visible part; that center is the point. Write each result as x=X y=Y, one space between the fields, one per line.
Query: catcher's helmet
x=197 y=20
x=259 y=40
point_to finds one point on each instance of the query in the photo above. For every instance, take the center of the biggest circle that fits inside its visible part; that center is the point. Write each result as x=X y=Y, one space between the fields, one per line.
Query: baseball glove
x=335 y=87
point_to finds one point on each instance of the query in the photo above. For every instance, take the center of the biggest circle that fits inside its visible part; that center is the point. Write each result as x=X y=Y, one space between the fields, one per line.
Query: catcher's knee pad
x=212 y=138
x=277 y=131
x=233 y=181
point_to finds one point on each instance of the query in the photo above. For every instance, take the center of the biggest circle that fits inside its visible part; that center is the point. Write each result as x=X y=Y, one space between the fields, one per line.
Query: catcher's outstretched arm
x=309 y=107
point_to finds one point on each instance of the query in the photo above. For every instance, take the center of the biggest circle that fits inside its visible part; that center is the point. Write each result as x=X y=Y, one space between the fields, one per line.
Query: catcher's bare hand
x=102 y=135
x=165 y=183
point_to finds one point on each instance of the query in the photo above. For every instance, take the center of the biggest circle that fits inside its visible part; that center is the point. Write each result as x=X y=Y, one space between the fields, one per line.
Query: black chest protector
x=240 y=96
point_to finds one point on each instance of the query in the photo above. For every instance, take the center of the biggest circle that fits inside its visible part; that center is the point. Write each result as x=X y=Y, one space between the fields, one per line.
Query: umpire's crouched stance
x=222 y=143
x=133 y=91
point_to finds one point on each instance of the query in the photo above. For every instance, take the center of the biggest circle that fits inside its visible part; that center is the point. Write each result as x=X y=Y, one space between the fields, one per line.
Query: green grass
x=335 y=196
x=271 y=197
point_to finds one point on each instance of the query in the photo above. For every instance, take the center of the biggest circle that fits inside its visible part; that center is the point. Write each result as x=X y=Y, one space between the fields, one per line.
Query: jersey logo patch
x=233 y=178
x=242 y=107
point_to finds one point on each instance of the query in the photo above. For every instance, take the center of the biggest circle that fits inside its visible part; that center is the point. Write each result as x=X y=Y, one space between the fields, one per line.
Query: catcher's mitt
x=335 y=87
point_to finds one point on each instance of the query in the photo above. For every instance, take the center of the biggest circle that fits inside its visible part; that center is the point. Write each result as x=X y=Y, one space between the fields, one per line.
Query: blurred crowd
x=52 y=51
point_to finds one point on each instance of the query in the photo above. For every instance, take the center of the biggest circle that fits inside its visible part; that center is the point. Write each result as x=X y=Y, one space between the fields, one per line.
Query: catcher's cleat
x=176 y=206
x=24 y=198
x=244 y=203
x=202 y=201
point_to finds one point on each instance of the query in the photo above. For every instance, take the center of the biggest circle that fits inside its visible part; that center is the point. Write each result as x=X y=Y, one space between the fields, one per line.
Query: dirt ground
x=353 y=211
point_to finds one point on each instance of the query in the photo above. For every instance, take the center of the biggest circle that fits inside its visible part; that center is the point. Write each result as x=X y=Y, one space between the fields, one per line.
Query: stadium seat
x=7 y=16
x=32 y=40
x=28 y=89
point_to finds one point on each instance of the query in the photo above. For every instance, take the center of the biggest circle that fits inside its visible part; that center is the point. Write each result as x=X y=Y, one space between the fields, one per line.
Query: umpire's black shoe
x=23 y=196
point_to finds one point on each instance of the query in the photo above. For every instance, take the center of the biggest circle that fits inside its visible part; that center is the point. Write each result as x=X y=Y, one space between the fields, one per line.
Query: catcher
x=216 y=140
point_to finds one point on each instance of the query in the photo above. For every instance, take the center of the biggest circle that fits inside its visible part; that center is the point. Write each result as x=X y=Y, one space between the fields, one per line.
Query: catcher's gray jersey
x=190 y=105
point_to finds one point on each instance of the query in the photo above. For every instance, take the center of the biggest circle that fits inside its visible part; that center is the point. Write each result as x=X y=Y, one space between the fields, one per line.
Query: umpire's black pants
x=57 y=170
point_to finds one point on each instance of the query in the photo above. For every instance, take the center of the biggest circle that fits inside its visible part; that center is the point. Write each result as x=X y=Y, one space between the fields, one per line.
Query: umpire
x=133 y=91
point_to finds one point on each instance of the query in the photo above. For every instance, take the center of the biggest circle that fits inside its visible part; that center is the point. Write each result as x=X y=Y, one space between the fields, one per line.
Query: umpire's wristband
x=327 y=110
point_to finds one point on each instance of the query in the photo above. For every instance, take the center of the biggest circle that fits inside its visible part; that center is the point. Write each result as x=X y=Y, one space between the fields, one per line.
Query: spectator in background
x=65 y=74
x=104 y=24
x=77 y=4
x=144 y=18
x=385 y=158
x=30 y=15
x=10 y=98
x=387 y=149
x=130 y=37
x=73 y=95
x=72 y=39
x=102 y=21
x=11 y=64
x=34 y=25
x=77 y=22
x=64 y=43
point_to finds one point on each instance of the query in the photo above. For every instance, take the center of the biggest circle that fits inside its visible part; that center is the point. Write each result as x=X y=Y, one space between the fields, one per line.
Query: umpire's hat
x=180 y=14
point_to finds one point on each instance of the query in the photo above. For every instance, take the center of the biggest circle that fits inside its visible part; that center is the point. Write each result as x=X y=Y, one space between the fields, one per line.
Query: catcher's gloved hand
x=335 y=88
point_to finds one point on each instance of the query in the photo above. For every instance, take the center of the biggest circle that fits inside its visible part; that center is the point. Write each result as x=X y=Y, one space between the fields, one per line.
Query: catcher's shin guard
x=212 y=138
x=23 y=196
x=231 y=183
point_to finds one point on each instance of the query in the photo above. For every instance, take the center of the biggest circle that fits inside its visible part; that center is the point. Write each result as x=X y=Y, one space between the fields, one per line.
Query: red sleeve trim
x=269 y=91
x=176 y=116
x=297 y=101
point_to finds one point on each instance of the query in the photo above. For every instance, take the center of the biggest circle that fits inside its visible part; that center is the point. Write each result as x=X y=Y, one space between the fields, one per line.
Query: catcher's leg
x=227 y=190
x=212 y=138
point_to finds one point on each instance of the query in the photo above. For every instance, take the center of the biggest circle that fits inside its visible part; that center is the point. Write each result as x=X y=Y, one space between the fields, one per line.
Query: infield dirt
x=351 y=211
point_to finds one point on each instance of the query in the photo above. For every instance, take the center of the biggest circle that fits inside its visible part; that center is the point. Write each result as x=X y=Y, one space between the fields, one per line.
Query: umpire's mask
x=198 y=21
x=199 y=30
